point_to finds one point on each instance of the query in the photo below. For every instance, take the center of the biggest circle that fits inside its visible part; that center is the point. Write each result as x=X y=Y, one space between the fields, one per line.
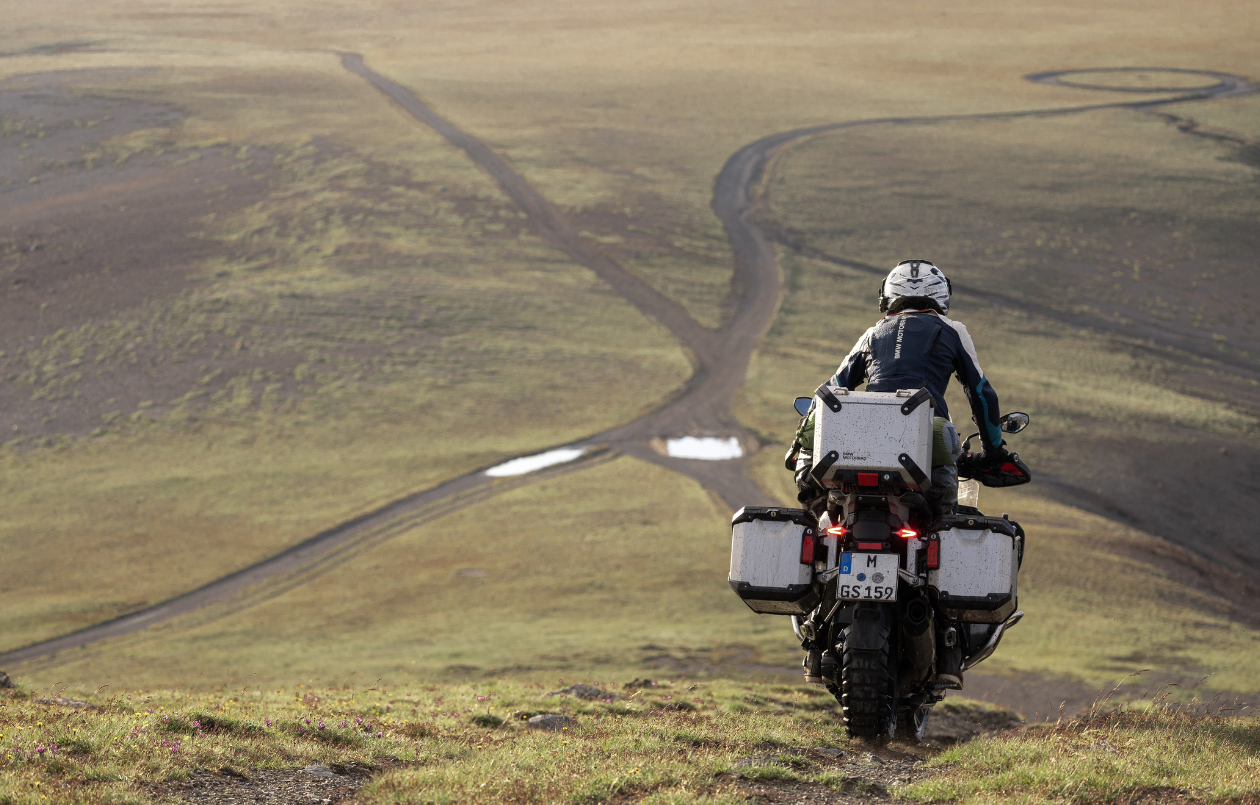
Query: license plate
x=868 y=576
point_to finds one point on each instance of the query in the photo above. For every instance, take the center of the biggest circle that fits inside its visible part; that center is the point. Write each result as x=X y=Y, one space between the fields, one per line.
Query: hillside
x=640 y=741
x=274 y=273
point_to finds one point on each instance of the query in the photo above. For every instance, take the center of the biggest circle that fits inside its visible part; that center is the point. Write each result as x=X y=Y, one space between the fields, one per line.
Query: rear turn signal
x=807 y=548
x=908 y=533
x=838 y=531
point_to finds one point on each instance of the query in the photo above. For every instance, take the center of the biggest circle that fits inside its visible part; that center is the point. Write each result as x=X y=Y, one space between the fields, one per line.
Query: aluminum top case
x=771 y=559
x=978 y=573
x=872 y=431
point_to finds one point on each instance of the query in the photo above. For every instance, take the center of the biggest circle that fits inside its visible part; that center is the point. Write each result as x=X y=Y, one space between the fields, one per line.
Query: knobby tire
x=868 y=687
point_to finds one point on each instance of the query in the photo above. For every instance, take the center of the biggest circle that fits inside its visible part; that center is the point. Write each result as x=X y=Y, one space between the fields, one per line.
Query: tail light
x=807 y=548
x=908 y=533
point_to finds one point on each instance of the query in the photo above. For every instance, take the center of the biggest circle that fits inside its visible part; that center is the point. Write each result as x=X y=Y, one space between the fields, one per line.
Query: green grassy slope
x=376 y=324
x=710 y=742
x=611 y=567
x=369 y=316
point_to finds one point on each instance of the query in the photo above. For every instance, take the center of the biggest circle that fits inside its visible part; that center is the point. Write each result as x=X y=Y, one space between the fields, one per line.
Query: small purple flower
x=321 y=725
x=39 y=750
x=308 y=721
x=197 y=724
x=379 y=734
x=267 y=721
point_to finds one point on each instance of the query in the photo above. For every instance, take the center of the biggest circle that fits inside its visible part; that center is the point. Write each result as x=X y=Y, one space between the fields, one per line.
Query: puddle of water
x=708 y=448
x=520 y=466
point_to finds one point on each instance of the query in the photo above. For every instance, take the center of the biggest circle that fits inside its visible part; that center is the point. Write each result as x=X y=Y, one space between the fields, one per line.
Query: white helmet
x=914 y=278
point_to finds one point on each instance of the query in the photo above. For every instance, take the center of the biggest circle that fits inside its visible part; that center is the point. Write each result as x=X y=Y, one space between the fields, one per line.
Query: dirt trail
x=702 y=407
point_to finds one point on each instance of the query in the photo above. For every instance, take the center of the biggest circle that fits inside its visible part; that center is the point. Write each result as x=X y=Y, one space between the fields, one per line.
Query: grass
x=378 y=321
x=358 y=340
x=1106 y=756
x=448 y=743
x=553 y=583
x=671 y=742
x=1111 y=216
x=548 y=576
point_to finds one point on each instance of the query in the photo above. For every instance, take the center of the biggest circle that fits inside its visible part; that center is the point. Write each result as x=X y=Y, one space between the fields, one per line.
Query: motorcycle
x=891 y=601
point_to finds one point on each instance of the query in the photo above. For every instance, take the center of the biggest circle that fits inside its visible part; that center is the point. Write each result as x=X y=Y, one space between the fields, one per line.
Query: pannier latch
x=824 y=393
x=919 y=397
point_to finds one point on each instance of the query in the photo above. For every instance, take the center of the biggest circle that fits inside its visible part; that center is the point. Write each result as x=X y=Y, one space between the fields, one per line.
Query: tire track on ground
x=1145 y=335
x=702 y=407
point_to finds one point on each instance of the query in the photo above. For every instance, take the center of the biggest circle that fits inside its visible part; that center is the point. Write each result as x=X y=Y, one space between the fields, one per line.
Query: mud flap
x=870 y=628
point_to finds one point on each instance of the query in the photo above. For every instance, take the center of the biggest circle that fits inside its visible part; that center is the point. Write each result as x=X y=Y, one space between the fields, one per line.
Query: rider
x=916 y=345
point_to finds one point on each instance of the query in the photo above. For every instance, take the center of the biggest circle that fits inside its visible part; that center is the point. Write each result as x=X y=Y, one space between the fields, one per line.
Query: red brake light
x=868 y=479
x=908 y=533
x=870 y=546
x=807 y=548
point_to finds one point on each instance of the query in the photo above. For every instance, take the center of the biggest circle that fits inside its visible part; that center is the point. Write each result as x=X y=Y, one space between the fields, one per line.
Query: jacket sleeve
x=984 y=400
x=852 y=371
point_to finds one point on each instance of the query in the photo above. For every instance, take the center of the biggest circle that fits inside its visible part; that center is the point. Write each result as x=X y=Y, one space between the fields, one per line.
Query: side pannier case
x=978 y=573
x=772 y=559
x=872 y=431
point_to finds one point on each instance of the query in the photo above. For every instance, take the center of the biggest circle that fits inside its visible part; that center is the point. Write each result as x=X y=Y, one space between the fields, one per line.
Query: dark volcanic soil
x=229 y=786
x=98 y=218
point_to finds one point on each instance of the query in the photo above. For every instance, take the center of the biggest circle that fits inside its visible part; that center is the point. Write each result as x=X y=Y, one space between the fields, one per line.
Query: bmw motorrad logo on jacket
x=915 y=349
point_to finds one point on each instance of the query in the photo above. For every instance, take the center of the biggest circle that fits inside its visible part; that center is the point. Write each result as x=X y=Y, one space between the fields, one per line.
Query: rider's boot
x=813 y=667
x=949 y=674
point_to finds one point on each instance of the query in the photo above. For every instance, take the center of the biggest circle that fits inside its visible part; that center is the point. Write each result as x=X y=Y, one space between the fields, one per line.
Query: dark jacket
x=921 y=348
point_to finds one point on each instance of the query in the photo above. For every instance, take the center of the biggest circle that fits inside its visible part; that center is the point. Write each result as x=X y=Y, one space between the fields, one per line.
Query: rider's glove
x=995 y=457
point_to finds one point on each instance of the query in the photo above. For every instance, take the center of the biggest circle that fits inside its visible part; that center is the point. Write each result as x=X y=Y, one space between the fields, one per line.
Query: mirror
x=1014 y=422
x=802 y=404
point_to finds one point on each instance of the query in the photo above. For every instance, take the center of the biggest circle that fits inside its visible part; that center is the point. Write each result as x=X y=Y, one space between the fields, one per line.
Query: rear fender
x=871 y=627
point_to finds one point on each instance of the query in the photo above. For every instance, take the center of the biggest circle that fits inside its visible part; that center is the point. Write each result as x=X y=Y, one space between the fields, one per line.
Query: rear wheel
x=868 y=675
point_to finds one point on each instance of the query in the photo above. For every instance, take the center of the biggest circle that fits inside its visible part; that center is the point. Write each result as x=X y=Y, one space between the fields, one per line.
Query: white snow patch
x=520 y=466
x=709 y=448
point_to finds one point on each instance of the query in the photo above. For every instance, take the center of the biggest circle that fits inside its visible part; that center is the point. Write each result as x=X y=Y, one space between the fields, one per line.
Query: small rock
x=550 y=722
x=320 y=771
x=874 y=759
x=64 y=702
x=5 y=682
x=639 y=683
x=831 y=752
